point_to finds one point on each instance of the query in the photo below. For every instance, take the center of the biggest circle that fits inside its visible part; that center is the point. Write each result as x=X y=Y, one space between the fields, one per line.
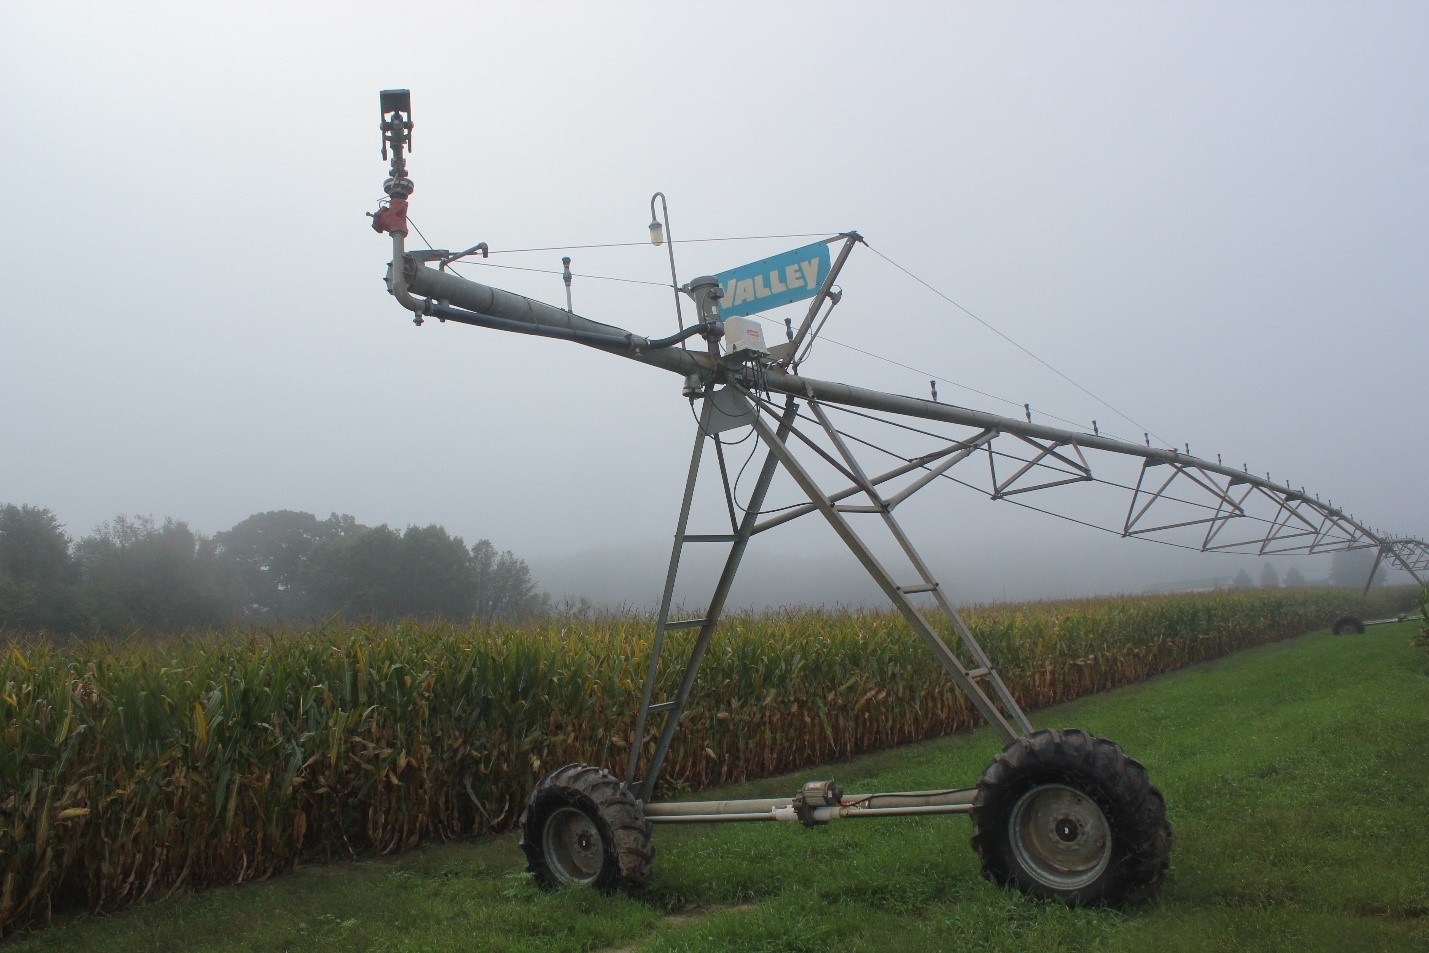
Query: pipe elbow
x=397 y=279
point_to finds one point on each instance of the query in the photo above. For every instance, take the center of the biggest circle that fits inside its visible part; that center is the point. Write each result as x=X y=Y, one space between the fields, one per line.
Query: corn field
x=130 y=770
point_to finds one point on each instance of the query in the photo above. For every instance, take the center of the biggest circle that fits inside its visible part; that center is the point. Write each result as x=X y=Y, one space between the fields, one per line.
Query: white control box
x=743 y=336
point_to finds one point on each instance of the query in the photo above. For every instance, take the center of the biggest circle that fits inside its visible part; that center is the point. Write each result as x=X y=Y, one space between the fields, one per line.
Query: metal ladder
x=972 y=671
x=974 y=676
x=738 y=542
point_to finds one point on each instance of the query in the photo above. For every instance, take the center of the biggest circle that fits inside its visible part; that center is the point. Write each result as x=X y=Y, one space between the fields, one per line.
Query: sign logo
x=770 y=282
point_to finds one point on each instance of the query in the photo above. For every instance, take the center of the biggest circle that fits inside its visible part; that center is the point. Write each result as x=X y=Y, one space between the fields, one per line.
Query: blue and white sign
x=770 y=282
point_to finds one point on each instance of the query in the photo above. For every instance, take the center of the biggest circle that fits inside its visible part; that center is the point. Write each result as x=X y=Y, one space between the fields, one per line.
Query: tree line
x=135 y=573
x=1349 y=569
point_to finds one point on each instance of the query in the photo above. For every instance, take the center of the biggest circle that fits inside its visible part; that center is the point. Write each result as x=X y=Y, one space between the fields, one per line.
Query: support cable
x=646 y=244
x=550 y=271
x=1015 y=344
x=938 y=378
x=850 y=347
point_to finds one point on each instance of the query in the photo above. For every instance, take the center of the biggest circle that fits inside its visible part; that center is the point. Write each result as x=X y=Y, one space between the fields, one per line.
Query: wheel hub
x=572 y=846
x=1060 y=836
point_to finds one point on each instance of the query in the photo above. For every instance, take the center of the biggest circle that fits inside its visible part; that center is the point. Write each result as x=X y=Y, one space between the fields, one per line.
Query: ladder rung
x=686 y=624
x=709 y=538
x=662 y=706
x=921 y=587
x=858 y=508
x=976 y=673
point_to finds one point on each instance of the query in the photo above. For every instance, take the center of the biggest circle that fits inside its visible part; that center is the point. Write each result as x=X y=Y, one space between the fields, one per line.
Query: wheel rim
x=1060 y=837
x=572 y=845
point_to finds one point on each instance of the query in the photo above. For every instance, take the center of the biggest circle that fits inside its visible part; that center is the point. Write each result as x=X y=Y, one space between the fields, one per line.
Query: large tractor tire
x=583 y=826
x=1348 y=625
x=1069 y=817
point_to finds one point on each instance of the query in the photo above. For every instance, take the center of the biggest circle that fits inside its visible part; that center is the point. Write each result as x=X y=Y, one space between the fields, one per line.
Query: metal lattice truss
x=1160 y=495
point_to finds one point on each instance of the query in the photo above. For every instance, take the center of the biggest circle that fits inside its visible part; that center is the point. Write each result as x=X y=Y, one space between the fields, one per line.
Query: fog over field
x=1213 y=218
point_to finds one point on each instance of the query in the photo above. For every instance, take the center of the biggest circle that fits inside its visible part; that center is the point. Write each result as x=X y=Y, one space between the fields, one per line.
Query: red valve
x=391 y=218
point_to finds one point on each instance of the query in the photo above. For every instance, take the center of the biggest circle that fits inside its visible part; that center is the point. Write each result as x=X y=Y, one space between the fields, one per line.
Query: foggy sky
x=1212 y=216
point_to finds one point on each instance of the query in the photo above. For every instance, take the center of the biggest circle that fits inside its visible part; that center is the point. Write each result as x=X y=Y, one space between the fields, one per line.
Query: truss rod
x=1006 y=729
x=1237 y=510
x=981 y=662
x=955 y=453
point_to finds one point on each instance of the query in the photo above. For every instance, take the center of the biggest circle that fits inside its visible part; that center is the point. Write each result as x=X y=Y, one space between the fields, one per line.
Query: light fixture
x=659 y=231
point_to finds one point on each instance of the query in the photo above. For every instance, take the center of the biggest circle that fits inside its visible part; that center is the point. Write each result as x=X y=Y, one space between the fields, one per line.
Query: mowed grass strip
x=1295 y=778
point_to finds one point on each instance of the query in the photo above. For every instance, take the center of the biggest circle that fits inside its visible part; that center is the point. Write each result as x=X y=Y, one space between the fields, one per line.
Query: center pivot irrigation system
x=1058 y=813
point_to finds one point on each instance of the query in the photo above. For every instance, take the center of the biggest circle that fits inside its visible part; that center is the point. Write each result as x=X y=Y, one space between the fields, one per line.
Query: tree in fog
x=270 y=554
x=383 y=574
x=1269 y=579
x=436 y=574
x=1294 y=579
x=1241 y=580
x=38 y=575
x=351 y=574
x=422 y=571
x=283 y=565
x=1350 y=568
x=504 y=588
x=140 y=574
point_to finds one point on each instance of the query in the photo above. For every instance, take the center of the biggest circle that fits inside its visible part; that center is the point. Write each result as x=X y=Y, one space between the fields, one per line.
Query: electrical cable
x=942 y=437
x=939 y=379
x=740 y=475
x=419 y=231
x=1015 y=344
x=734 y=493
x=699 y=427
x=683 y=241
x=745 y=509
x=552 y=271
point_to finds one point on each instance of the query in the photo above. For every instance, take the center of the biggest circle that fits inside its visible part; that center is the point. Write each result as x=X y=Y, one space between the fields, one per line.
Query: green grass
x=1295 y=778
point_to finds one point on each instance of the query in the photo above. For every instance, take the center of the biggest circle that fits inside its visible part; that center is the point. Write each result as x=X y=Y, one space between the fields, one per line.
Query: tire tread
x=1135 y=810
x=610 y=803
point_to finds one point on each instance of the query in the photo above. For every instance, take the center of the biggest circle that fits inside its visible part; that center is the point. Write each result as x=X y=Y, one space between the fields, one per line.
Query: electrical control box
x=743 y=337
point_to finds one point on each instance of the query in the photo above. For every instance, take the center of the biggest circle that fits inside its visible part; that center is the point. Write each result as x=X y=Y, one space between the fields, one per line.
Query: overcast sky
x=1213 y=216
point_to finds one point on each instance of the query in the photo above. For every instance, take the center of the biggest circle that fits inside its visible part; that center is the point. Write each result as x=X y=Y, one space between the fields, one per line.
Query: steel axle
x=892 y=804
